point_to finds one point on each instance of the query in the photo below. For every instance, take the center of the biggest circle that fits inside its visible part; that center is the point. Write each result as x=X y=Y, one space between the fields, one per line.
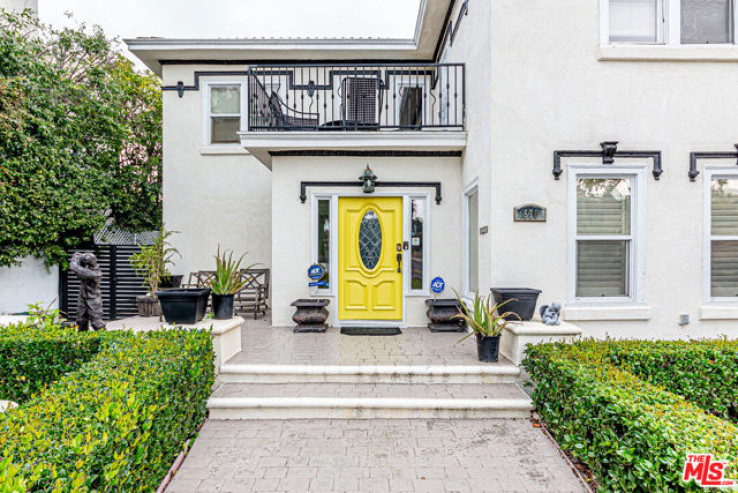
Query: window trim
x=207 y=116
x=671 y=27
x=636 y=272
x=471 y=188
x=712 y=173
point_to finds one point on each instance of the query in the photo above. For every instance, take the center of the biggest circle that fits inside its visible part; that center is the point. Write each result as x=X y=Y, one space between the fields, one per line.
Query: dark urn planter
x=311 y=315
x=488 y=348
x=521 y=301
x=183 y=306
x=222 y=306
x=443 y=315
x=148 y=306
x=170 y=282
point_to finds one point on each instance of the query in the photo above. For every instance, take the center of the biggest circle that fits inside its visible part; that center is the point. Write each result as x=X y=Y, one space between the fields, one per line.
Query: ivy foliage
x=633 y=434
x=80 y=139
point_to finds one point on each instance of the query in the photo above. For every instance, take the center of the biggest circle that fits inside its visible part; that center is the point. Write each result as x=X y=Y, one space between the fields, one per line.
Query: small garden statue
x=550 y=314
x=90 y=305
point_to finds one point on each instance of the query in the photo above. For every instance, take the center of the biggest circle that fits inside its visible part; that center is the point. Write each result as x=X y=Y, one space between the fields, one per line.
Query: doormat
x=371 y=331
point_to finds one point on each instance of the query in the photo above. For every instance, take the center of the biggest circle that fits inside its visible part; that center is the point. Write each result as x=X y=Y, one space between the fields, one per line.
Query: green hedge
x=117 y=423
x=703 y=372
x=632 y=434
x=33 y=355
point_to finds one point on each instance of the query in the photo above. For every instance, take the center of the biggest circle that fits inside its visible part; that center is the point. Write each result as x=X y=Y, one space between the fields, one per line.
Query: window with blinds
x=604 y=237
x=724 y=238
x=636 y=21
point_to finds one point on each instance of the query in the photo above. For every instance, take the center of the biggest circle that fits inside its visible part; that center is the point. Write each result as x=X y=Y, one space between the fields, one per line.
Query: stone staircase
x=369 y=392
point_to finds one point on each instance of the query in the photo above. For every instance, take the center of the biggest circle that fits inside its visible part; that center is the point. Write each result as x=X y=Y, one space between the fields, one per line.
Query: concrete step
x=368 y=401
x=488 y=374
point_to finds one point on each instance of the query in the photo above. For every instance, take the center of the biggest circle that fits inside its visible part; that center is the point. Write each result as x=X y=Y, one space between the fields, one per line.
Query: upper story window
x=673 y=22
x=224 y=108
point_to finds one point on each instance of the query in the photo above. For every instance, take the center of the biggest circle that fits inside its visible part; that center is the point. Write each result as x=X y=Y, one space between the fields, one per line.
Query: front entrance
x=370 y=258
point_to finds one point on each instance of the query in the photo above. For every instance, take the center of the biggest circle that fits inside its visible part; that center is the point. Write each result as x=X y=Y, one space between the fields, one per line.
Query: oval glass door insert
x=370 y=240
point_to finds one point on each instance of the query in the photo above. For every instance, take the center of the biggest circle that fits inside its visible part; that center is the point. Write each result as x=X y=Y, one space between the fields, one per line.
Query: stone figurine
x=550 y=314
x=90 y=304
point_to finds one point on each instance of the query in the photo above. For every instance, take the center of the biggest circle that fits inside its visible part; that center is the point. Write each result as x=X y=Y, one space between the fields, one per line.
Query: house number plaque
x=530 y=213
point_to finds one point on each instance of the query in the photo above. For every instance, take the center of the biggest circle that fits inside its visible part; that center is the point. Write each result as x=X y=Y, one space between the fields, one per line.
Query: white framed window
x=322 y=242
x=721 y=238
x=224 y=110
x=417 y=255
x=470 y=241
x=672 y=22
x=606 y=234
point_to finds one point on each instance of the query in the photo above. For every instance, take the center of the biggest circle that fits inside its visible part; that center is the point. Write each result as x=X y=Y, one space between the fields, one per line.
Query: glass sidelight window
x=471 y=237
x=417 y=244
x=724 y=237
x=323 y=239
x=224 y=117
x=604 y=237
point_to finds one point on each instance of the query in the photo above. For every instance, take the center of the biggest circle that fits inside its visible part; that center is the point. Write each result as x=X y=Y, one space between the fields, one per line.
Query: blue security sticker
x=316 y=272
x=438 y=285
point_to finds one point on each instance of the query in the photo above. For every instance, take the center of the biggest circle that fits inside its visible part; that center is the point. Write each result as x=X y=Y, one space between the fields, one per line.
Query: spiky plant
x=484 y=319
x=227 y=278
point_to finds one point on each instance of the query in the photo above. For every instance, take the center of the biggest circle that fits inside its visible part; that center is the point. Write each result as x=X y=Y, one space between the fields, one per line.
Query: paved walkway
x=502 y=455
x=266 y=345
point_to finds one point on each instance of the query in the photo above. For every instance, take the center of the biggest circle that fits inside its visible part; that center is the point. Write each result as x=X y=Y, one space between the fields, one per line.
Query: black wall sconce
x=608 y=154
x=694 y=157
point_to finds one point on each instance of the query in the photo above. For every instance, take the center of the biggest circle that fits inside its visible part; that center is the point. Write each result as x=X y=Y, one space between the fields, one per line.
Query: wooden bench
x=254 y=296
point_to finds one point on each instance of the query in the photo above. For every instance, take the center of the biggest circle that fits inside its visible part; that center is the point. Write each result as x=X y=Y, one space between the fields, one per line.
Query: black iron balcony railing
x=356 y=97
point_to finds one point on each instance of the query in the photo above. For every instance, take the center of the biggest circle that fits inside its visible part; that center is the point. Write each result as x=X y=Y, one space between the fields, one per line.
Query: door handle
x=399 y=262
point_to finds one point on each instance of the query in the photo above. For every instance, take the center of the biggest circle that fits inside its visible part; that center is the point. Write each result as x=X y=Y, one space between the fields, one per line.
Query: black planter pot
x=310 y=315
x=444 y=315
x=488 y=348
x=521 y=301
x=222 y=306
x=183 y=306
x=171 y=282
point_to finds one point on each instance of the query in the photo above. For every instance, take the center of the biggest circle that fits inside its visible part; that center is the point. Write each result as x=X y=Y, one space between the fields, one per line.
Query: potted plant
x=487 y=324
x=152 y=264
x=225 y=283
x=522 y=302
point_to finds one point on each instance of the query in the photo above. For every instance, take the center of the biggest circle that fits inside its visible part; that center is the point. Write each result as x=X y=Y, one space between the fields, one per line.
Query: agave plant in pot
x=487 y=323
x=226 y=282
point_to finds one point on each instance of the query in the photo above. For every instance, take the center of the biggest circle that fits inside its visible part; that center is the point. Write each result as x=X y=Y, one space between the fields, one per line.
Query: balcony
x=350 y=98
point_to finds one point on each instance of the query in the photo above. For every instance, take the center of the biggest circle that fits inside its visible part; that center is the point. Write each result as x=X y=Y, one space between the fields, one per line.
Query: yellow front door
x=369 y=273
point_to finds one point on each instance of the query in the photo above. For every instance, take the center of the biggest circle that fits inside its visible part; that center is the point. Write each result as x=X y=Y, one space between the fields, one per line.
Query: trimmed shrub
x=117 y=423
x=35 y=354
x=633 y=435
x=703 y=372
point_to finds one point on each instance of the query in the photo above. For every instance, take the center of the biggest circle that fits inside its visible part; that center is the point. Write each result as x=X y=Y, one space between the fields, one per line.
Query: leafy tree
x=80 y=139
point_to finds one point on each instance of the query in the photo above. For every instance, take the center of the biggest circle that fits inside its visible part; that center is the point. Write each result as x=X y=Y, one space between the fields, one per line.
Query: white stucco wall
x=29 y=283
x=211 y=196
x=551 y=92
x=291 y=247
x=471 y=46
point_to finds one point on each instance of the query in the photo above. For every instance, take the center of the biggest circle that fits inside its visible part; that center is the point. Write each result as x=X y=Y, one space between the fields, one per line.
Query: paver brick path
x=496 y=455
x=266 y=345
